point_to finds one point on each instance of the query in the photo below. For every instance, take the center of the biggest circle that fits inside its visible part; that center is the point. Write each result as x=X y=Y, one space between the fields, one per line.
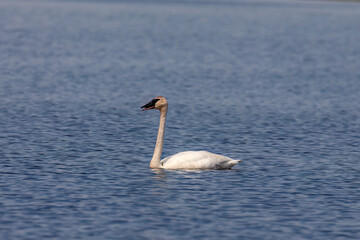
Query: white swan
x=183 y=160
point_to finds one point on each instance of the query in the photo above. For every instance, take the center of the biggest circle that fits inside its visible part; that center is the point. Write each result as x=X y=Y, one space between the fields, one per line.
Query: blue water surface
x=274 y=83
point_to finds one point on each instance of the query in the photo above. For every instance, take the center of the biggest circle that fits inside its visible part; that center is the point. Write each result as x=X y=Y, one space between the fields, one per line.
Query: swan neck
x=155 y=161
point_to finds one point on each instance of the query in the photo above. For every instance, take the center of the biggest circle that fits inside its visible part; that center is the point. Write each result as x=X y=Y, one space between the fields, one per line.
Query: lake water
x=274 y=83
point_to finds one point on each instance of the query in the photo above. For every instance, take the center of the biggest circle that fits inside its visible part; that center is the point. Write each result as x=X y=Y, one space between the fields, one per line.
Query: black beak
x=150 y=105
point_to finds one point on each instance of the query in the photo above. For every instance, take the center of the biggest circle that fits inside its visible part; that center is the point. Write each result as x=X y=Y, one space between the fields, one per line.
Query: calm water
x=275 y=83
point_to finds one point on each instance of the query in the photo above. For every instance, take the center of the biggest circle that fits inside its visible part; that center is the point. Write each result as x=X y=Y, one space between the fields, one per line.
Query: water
x=275 y=83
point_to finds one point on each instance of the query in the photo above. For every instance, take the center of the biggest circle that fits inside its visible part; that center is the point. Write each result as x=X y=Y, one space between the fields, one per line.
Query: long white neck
x=155 y=161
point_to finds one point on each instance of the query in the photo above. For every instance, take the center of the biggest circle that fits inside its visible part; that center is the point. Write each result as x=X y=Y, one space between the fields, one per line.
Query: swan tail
x=227 y=164
x=234 y=162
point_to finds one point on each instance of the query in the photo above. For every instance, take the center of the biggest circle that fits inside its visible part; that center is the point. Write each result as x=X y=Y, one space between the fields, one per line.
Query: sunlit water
x=276 y=84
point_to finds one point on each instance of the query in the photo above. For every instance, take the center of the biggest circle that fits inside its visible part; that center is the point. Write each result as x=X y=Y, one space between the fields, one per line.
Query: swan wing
x=197 y=160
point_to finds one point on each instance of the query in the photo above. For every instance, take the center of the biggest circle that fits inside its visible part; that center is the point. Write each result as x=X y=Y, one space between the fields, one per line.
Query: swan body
x=183 y=160
x=197 y=160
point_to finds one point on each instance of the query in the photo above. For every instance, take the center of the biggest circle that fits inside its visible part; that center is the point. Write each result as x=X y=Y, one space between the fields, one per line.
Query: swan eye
x=150 y=105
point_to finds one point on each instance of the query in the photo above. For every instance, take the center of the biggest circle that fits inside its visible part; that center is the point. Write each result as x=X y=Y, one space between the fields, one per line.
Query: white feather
x=197 y=160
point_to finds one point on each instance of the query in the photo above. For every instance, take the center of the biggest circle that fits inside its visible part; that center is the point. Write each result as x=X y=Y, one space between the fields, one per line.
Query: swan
x=182 y=160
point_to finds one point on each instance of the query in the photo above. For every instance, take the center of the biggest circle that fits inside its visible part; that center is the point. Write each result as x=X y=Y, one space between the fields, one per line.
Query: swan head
x=155 y=103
